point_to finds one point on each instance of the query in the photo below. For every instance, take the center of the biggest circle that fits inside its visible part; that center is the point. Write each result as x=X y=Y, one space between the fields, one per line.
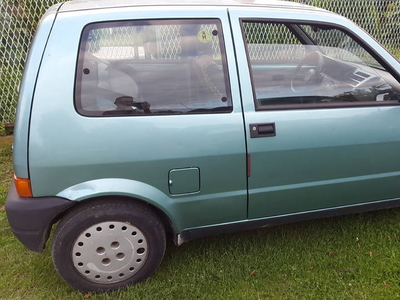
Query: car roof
x=101 y=4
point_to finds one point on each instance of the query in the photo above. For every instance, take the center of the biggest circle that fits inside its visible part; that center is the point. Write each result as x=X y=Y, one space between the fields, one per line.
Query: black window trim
x=289 y=23
x=171 y=21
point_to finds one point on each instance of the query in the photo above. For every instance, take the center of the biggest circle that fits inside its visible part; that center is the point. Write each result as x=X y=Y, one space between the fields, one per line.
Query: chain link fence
x=19 y=18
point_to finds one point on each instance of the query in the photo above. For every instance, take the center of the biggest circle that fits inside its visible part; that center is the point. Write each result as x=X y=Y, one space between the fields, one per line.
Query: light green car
x=144 y=120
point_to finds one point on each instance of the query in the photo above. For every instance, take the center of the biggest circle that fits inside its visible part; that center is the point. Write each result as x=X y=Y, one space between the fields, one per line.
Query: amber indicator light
x=23 y=186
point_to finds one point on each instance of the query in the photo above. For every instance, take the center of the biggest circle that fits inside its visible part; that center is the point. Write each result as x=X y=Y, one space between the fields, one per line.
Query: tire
x=105 y=245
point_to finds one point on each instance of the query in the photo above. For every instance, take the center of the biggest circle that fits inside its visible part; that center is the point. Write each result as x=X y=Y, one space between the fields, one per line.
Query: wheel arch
x=132 y=190
x=164 y=218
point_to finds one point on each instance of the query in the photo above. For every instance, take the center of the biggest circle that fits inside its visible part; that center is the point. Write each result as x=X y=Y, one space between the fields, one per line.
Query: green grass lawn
x=351 y=257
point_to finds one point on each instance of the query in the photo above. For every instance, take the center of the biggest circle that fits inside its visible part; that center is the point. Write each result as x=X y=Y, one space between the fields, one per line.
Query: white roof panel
x=101 y=4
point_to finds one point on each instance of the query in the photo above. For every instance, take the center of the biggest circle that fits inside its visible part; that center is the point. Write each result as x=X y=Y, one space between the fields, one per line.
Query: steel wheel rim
x=109 y=252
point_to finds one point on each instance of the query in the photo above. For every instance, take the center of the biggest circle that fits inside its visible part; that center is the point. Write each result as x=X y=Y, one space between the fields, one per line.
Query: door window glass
x=310 y=65
x=152 y=67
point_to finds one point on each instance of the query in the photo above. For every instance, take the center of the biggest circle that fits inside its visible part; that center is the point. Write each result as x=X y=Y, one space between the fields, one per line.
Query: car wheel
x=106 y=245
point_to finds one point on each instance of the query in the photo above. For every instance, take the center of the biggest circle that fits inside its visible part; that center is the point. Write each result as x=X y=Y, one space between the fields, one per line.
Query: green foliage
x=3 y=131
x=345 y=8
x=391 y=24
x=5 y=176
x=9 y=80
x=383 y=17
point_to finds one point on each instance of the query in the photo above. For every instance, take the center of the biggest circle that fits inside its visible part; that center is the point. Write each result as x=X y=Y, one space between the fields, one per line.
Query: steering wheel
x=307 y=71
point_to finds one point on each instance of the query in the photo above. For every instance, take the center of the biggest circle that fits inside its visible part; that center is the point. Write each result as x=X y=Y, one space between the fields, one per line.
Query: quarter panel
x=27 y=89
x=68 y=150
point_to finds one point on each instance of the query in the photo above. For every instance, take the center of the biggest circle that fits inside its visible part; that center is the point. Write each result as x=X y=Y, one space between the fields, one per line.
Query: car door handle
x=262 y=130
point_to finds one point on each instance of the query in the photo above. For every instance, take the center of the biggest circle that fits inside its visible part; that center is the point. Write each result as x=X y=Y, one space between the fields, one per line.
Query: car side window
x=152 y=68
x=302 y=66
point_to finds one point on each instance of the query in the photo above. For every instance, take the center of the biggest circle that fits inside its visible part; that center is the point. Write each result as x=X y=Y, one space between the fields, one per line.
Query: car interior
x=310 y=65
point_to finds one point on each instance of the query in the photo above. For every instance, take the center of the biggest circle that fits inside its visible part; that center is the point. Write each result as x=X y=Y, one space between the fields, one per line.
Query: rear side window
x=152 y=67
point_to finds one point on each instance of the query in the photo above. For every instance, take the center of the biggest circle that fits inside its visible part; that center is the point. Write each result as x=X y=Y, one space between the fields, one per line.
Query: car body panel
x=141 y=149
x=301 y=170
x=203 y=171
x=27 y=89
x=155 y=5
x=319 y=158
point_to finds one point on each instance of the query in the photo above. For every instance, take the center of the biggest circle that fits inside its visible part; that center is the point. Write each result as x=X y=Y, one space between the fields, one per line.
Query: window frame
x=82 y=46
x=302 y=36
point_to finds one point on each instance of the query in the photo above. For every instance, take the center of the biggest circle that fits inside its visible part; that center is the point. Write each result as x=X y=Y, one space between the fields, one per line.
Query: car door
x=321 y=113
